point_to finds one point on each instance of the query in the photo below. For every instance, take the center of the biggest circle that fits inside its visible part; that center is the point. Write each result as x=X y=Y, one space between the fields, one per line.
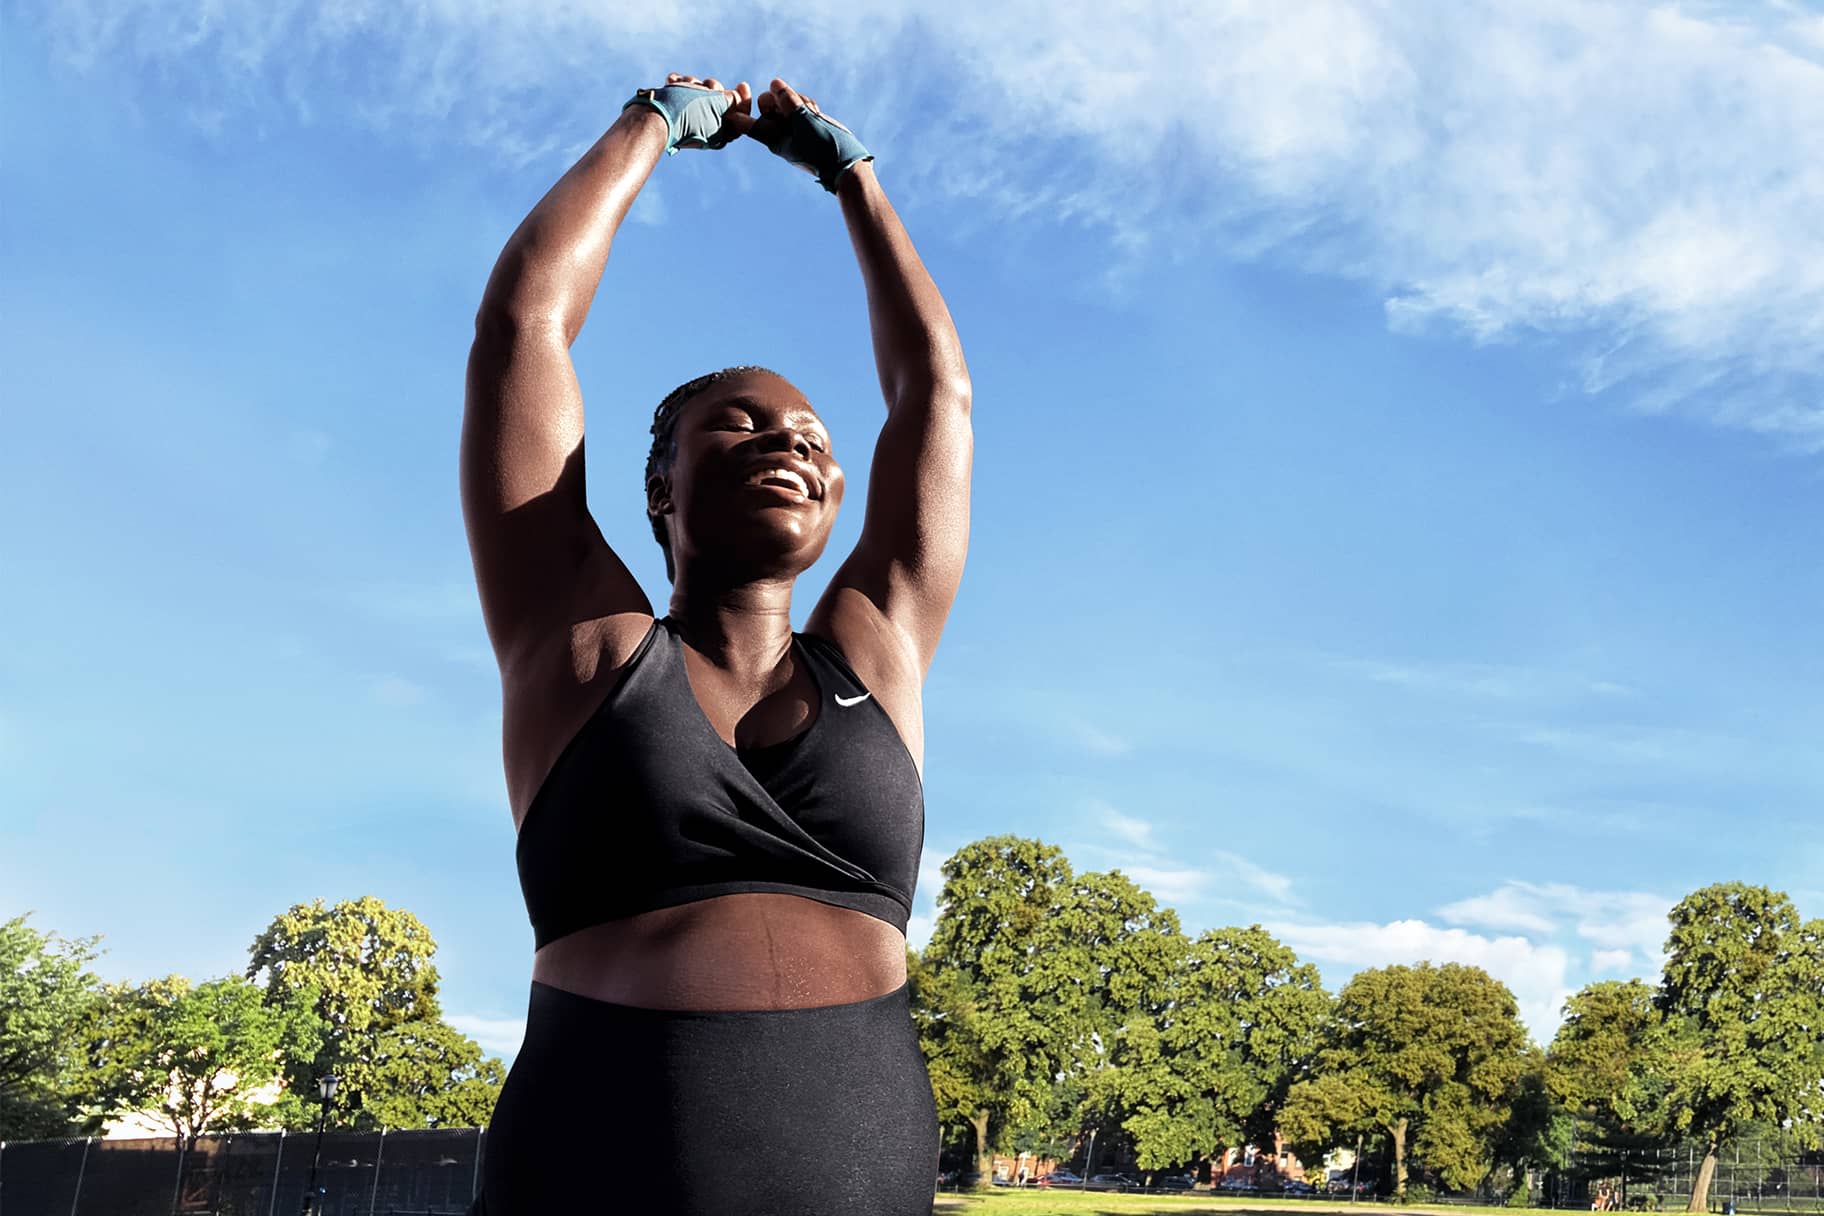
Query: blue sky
x=1399 y=443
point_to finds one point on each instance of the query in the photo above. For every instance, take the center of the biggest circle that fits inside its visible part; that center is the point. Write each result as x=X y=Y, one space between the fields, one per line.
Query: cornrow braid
x=664 y=438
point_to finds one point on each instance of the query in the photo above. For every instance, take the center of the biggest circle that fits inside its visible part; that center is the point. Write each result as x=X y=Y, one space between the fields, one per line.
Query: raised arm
x=531 y=537
x=915 y=536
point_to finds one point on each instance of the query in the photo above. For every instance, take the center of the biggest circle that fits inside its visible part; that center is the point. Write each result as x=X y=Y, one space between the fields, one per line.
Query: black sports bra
x=647 y=807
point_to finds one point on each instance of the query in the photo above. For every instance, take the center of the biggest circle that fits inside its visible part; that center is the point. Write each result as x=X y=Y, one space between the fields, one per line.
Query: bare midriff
x=754 y=950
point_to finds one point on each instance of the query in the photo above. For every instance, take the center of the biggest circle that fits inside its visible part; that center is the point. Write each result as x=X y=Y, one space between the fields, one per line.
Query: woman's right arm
x=530 y=532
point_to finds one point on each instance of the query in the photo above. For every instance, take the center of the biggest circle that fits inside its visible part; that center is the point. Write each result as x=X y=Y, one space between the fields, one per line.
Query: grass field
x=1044 y=1202
x=1067 y=1203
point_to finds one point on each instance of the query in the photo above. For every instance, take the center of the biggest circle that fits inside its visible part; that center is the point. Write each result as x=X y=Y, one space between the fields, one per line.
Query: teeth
x=764 y=475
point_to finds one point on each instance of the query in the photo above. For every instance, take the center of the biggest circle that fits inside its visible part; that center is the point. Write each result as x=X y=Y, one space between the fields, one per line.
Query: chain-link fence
x=1763 y=1175
x=406 y=1173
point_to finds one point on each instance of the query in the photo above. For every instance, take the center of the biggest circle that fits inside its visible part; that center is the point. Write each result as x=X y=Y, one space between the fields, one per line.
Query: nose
x=790 y=439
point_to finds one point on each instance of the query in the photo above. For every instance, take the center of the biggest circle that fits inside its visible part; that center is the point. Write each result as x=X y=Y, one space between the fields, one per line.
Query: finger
x=673 y=77
x=744 y=98
x=769 y=105
x=713 y=83
x=787 y=96
x=738 y=122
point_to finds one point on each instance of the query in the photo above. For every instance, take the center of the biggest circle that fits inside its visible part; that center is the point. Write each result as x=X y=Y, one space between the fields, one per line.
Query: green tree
x=1000 y=1010
x=1743 y=998
x=365 y=969
x=428 y=1074
x=1231 y=1029
x=1609 y=1057
x=1432 y=1056
x=46 y=990
x=197 y=1054
x=1607 y=1066
x=1125 y=949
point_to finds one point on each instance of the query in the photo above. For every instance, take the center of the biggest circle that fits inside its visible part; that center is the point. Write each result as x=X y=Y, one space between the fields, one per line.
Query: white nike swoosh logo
x=845 y=702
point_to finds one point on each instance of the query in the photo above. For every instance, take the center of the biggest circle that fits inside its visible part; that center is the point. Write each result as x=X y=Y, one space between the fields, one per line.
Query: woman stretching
x=719 y=819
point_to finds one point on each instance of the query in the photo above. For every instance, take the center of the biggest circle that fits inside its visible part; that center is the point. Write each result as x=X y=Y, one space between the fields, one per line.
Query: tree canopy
x=46 y=990
x=1743 y=999
x=1431 y=1056
x=200 y=1055
x=365 y=970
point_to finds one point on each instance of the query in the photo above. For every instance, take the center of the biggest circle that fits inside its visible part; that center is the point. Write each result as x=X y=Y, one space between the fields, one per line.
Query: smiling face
x=750 y=485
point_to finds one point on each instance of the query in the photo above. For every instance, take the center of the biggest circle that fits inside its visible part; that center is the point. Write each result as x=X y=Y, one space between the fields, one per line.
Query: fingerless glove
x=813 y=142
x=693 y=115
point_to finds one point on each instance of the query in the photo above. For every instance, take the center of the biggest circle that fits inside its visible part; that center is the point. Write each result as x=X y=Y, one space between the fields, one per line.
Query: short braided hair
x=664 y=438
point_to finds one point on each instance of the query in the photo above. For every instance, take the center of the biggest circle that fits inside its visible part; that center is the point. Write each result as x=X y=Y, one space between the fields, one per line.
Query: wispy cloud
x=497 y=1036
x=1626 y=921
x=1170 y=884
x=1178 y=876
x=1642 y=177
x=1275 y=886
x=1136 y=832
x=1493 y=681
x=1611 y=960
x=1535 y=973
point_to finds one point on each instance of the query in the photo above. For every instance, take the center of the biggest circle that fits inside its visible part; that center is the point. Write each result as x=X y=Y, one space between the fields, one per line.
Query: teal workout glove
x=814 y=142
x=693 y=114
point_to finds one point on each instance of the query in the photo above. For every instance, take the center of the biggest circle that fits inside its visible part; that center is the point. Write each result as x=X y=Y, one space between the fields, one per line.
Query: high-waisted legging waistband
x=617 y=1108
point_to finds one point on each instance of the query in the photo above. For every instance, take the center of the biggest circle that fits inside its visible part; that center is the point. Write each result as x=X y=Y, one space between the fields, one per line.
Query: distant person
x=719 y=818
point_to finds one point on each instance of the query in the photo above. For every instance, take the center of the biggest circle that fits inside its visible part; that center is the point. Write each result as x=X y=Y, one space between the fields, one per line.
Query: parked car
x=1061 y=1178
x=1237 y=1182
x=1112 y=1180
x=1298 y=1186
x=1174 y=1182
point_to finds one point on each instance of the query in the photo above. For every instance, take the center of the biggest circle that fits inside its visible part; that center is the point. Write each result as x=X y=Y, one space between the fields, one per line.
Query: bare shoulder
x=884 y=659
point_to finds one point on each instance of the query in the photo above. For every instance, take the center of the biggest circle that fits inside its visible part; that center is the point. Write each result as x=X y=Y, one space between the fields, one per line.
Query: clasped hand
x=703 y=113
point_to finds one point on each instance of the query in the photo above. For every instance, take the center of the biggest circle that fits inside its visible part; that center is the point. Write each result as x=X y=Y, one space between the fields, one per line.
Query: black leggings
x=795 y=1112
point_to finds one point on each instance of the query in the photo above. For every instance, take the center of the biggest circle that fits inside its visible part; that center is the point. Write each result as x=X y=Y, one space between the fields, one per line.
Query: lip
x=812 y=482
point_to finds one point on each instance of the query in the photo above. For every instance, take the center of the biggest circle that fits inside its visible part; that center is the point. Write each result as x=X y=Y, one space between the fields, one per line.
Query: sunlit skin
x=565 y=615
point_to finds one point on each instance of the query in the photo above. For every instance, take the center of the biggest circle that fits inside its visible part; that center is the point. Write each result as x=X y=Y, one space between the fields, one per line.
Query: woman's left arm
x=915 y=535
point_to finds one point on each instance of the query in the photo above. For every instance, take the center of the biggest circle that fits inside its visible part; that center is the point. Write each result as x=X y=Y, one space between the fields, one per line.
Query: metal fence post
x=278 y=1159
x=475 y=1176
x=373 y=1193
x=177 y=1183
x=81 y=1169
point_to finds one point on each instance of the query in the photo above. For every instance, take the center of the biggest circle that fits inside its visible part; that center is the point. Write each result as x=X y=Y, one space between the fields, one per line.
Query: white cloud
x=1535 y=973
x=1169 y=885
x=1611 y=960
x=1643 y=177
x=498 y=1036
x=1144 y=857
x=1508 y=908
x=1277 y=887
x=1492 y=681
x=1628 y=921
x=1136 y=832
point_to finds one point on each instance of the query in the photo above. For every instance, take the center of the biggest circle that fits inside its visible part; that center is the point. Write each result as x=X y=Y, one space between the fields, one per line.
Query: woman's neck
x=743 y=629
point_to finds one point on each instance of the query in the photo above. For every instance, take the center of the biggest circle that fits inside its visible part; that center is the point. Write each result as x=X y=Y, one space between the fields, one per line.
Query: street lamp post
x=1089 y=1162
x=327 y=1089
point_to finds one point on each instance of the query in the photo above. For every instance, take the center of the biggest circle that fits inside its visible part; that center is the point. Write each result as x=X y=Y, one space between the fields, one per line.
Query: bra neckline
x=800 y=654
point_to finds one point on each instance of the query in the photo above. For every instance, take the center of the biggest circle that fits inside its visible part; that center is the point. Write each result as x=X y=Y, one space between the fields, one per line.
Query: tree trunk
x=1399 y=1160
x=1706 y=1173
x=984 y=1164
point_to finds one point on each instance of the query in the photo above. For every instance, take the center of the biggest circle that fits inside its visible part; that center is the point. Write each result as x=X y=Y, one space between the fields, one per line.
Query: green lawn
x=1067 y=1203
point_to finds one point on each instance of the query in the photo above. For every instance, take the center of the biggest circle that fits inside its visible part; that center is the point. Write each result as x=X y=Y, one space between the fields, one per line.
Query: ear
x=658 y=495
